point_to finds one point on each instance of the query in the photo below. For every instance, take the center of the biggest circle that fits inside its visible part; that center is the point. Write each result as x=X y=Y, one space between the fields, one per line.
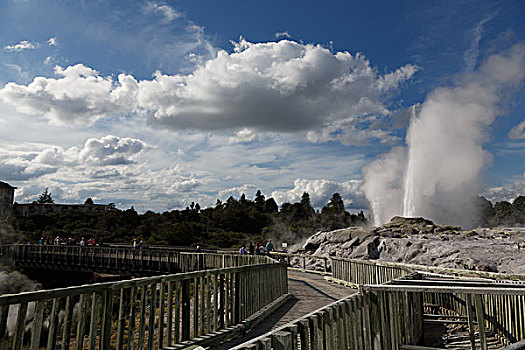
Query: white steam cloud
x=440 y=176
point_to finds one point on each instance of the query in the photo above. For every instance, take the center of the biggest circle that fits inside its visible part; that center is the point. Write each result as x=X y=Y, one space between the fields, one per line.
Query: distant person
x=251 y=248
x=257 y=248
x=134 y=243
x=243 y=251
x=269 y=246
x=262 y=249
x=82 y=242
x=141 y=244
x=41 y=241
x=198 y=249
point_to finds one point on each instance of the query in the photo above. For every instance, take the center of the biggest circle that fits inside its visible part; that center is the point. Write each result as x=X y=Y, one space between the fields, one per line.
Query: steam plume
x=440 y=175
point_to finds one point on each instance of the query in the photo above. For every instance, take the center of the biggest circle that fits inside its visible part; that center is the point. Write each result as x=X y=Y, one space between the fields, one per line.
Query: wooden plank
x=37 y=326
x=81 y=325
x=4 y=313
x=185 y=333
x=470 y=319
x=142 y=319
x=152 y=314
x=282 y=340
x=107 y=313
x=202 y=312
x=177 y=323
x=18 y=337
x=68 y=321
x=132 y=318
x=478 y=304
x=121 y=319
x=162 y=321
x=53 y=325
x=169 y=309
x=93 y=326
x=304 y=332
x=195 y=307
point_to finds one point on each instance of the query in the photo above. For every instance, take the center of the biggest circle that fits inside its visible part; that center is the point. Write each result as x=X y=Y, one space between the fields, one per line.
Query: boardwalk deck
x=311 y=292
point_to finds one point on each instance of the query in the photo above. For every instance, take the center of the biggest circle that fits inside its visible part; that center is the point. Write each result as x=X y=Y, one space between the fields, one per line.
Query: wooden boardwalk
x=310 y=291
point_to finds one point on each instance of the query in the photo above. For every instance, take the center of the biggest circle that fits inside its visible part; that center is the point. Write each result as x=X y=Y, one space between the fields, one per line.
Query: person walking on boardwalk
x=269 y=247
x=243 y=251
x=251 y=248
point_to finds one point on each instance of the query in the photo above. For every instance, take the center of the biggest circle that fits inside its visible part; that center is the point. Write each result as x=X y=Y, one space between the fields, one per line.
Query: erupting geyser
x=437 y=174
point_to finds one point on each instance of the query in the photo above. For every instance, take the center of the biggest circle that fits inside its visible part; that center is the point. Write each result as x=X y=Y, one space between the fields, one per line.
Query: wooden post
x=186 y=309
x=53 y=324
x=282 y=340
x=19 y=328
x=142 y=318
x=221 y=304
x=66 y=334
x=107 y=312
x=132 y=318
x=468 y=301
x=169 y=308
x=161 y=323
x=93 y=326
x=37 y=326
x=481 y=321
x=152 y=313
x=121 y=319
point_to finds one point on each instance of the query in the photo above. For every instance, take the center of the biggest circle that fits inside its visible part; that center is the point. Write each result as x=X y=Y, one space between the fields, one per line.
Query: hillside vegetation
x=226 y=224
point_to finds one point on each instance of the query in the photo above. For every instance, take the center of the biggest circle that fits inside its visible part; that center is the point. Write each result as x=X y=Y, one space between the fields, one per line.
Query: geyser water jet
x=438 y=177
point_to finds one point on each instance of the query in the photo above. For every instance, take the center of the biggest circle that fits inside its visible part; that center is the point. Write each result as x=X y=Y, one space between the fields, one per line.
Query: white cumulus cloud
x=280 y=86
x=23 y=45
x=108 y=150
x=321 y=191
x=80 y=96
x=518 y=132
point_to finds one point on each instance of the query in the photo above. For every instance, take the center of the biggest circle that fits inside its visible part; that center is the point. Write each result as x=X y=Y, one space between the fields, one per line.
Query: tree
x=336 y=204
x=270 y=206
x=307 y=210
x=259 y=199
x=519 y=203
x=89 y=201
x=45 y=197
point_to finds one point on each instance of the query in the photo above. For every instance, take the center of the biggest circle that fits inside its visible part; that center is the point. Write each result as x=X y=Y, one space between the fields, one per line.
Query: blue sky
x=159 y=103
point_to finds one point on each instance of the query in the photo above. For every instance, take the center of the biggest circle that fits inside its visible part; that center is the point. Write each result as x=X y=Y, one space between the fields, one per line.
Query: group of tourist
x=70 y=241
x=137 y=243
x=257 y=249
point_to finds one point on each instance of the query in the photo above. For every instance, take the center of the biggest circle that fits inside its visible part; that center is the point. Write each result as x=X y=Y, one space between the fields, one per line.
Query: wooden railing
x=354 y=322
x=359 y=272
x=306 y=263
x=145 y=313
x=395 y=300
x=122 y=259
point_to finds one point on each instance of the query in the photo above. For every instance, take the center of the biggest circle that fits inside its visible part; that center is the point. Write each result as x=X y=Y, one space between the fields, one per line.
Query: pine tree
x=45 y=197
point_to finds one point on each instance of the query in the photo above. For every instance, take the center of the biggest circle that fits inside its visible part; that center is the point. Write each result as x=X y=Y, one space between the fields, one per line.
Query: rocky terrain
x=420 y=241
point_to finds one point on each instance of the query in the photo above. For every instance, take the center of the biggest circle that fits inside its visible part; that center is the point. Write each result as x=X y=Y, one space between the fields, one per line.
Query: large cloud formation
x=106 y=151
x=321 y=191
x=280 y=86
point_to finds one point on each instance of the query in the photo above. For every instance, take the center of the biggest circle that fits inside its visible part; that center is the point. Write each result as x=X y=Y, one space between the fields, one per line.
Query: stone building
x=7 y=195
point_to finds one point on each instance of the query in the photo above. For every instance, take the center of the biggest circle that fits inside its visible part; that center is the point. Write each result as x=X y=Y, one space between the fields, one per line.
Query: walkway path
x=310 y=291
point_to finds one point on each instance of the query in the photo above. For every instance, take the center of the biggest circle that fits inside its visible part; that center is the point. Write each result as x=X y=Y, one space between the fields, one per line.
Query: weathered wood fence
x=360 y=321
x=122 y=260
x=395 y=301
x=145 y=313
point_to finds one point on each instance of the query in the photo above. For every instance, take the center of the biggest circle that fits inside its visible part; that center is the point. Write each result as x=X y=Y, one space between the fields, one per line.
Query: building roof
x=6 y=185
